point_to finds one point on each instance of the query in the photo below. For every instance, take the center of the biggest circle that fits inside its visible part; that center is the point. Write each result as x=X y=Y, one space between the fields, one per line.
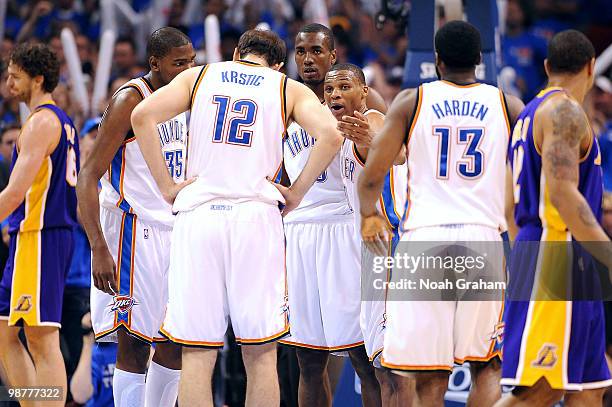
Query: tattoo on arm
x=562 y=155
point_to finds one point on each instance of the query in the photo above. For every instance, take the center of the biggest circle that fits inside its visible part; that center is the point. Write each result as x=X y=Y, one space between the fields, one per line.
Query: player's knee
x=9 y=337
x=132 y=354
x=312 y=362
x=259 y=355
x=430 y=381
x=168 y=355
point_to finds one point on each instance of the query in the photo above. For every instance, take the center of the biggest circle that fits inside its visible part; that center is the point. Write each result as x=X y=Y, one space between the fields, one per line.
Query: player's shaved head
x=357 y=72
x=569 y=51
x=458 y=45
x=264 y=43
x=316 y=28
x=163 y=40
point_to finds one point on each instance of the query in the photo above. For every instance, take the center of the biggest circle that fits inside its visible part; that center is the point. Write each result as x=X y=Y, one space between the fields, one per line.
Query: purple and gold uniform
x=552 y=330
x=41 y=228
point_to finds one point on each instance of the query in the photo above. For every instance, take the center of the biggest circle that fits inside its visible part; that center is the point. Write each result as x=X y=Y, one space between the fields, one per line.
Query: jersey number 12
x=232 y=125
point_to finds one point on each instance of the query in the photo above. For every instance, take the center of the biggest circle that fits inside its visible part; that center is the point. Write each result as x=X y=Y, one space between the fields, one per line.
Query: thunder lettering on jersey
x=457 y=145
x=392 y=199
x=326 y=199
x=532 y=202
x=128 y=183
x=236 y=125
x=51 y=200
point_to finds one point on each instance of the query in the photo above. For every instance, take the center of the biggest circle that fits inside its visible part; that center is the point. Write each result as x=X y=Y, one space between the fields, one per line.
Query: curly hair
x=38 y=59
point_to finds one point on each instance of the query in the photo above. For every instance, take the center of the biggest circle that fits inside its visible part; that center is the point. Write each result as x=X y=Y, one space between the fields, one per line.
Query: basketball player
x=239 y=111
x=551 y=347
x=129 y=228
x=41 y=201
x=322 y=254
x=456 y=193
x=345 y=94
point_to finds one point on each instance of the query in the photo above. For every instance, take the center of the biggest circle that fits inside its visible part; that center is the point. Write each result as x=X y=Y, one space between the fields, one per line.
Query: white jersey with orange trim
x=392 y=200
x=326 y=199
x=128 y=184
x=457 y=147
x=237 y=125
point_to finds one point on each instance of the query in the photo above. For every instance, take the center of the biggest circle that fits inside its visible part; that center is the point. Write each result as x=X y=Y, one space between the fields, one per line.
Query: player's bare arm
x=162 y=105
x=33 y=150
x=114 y=126
x=515 y=106
x=565 y=136
x=304 y=107
x=384 y=151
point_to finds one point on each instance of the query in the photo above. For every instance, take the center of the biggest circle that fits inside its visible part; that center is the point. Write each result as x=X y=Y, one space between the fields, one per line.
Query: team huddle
x=230 y=192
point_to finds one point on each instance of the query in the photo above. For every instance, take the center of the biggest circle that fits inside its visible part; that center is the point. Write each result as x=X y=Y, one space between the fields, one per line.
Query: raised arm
x=304 y=107
x=563 y=128
x=162 y=105
x=39 y=137
x=113 y=128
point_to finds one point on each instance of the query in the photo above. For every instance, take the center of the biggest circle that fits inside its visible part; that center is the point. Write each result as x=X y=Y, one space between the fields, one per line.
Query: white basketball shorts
x=141 y=253
x=227 y=262
x=434 y=335
x=323 y=268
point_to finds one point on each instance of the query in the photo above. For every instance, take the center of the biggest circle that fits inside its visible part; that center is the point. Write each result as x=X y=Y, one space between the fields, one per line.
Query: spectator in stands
x=8 y=138
x=45 y=18
x=523 y=51
x=602 y=120
x=124 y=58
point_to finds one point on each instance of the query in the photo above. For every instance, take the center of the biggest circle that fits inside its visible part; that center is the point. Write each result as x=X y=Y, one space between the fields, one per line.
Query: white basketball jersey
x=326 y=198
x=128 y=183
x=237 y=125
x=392 y=200
x=457 y=147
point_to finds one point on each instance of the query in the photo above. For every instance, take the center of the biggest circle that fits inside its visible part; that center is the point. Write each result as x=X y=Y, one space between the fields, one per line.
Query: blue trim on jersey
x=279 y=176
x=116 y=166
x=389 y=203
x=125 y=272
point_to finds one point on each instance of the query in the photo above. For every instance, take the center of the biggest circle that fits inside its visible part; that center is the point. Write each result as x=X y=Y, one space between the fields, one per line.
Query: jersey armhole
x=284 y=104
x=415 y=115
x=196 y=85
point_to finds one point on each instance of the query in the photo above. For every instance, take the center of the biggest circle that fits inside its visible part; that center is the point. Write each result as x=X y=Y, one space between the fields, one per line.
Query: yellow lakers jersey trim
x=25 y=287
x=36 y=198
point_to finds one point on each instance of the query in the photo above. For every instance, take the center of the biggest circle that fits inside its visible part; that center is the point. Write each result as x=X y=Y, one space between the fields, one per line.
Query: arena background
x=101 y=45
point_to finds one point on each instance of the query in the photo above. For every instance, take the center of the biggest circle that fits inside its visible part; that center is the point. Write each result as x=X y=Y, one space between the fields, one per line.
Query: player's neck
x=460 y=78
x=39 y=98
x=155 y=80
x=575 y=88
x=318 y=90
x=255 y=59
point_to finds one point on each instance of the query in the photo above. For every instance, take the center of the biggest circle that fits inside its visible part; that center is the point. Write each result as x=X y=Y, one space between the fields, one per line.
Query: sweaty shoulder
x=562 y=117
x=43 y=121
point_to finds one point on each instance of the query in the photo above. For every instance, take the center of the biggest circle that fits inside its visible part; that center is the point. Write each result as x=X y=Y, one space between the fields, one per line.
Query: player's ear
x=366 y=90
x=333 y=57
x=39 y=79
x=278 y=67
x=154 y=64
x=236 y=56
x=591 y=67
x=546 y=67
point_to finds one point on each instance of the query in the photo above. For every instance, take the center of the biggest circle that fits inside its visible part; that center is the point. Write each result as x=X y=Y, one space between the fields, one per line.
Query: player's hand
x=376 y=234
x=357 y=129
x=173 y=190
x=103 y=270
x=292 y=198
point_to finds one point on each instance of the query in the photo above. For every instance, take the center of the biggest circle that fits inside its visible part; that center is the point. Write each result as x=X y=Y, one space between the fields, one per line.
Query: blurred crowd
x=361 y=38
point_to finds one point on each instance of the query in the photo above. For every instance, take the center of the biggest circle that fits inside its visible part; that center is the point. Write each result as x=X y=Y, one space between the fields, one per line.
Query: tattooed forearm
x=586 y=214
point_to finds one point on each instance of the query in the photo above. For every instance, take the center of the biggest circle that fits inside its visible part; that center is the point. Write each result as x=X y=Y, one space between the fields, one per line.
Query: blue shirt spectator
x=79 y=274
x=103 y=357
x=605 y=144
